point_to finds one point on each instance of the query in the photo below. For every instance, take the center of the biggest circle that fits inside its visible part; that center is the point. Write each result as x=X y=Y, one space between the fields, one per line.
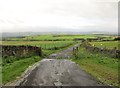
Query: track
x=59 y=72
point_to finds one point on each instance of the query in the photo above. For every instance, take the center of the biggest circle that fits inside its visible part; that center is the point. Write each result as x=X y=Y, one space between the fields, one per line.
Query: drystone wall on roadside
x=20 y=51
x=111 y=52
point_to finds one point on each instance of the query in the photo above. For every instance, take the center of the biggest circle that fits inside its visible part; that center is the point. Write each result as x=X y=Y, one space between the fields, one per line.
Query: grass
x=107 y=44
x=17 y=66
x=43 y=44
x=47 y=52
x=70 y=37
x=100 y=66
x=93 y=63
x=12 y=70
x=51 y=37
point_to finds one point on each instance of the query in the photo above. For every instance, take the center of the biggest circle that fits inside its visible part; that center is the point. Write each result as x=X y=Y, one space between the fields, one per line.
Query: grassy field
x=106 y=44
x=43 y=44
x=54 y=37
x=100 y=66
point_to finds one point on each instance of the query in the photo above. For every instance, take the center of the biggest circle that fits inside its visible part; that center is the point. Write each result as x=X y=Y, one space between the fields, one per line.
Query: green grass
x=13 y=70
x=18 y=65
x=70 y=37
x=48 y=52
x=52 y=37
x=100 y=66
x=97 y=62
x=43 y=44
x=107 y=44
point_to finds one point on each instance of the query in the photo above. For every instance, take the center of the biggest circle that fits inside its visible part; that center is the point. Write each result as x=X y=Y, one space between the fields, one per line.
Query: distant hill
x=17 y=34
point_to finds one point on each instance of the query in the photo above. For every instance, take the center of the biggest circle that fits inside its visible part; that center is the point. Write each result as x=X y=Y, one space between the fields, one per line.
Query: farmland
x=98 y=65
x=106 y=44
x=51 y=37
x=59 y=43
x=48 y=47
x=43 y=44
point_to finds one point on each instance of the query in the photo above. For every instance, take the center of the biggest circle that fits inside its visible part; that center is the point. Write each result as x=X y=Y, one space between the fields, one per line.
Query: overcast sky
x=58 y=15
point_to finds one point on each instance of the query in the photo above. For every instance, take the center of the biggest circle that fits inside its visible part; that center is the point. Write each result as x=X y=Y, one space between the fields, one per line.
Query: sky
x=58 y=15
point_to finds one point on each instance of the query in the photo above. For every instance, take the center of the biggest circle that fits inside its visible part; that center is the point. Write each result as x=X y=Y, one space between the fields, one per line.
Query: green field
x=51 y=37
x=106 y=44
x=100 y=66
x=43 y=44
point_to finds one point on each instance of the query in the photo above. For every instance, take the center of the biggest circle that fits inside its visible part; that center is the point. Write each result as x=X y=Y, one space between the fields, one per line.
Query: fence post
x=75 y=52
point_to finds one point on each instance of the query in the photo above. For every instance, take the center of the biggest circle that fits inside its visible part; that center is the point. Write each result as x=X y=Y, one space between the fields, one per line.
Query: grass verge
x=103 y=67
x=12 y=70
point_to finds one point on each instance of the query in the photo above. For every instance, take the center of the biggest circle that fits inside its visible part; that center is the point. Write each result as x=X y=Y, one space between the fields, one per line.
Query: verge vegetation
x=13 y=67
x=101 y=66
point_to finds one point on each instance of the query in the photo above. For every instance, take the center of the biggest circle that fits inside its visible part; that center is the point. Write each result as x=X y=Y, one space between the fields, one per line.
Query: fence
x=75 y=52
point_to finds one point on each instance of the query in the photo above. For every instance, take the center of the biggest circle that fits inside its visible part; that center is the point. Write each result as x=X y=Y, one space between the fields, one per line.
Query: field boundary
x=20 y=51
x=111 y=52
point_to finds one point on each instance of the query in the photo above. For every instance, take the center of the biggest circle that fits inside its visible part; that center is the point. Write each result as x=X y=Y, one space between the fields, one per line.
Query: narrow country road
x=59 y=72
x=53 y=72
x=65 y=54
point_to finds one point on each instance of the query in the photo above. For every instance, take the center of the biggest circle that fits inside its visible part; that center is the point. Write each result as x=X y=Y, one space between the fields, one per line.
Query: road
x=53 y=72
x=59 y=72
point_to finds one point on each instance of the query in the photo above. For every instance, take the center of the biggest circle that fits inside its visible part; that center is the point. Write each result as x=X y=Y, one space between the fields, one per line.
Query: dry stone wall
x=111 y=52
x=20 y=51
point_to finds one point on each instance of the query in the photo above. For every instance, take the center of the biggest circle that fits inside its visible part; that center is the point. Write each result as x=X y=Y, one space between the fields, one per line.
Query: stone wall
x=111 y=52
x=20 y=51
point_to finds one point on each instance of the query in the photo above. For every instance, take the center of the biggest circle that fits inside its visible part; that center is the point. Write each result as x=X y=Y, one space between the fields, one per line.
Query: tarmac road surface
x=59 y=72
x=52 y=72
